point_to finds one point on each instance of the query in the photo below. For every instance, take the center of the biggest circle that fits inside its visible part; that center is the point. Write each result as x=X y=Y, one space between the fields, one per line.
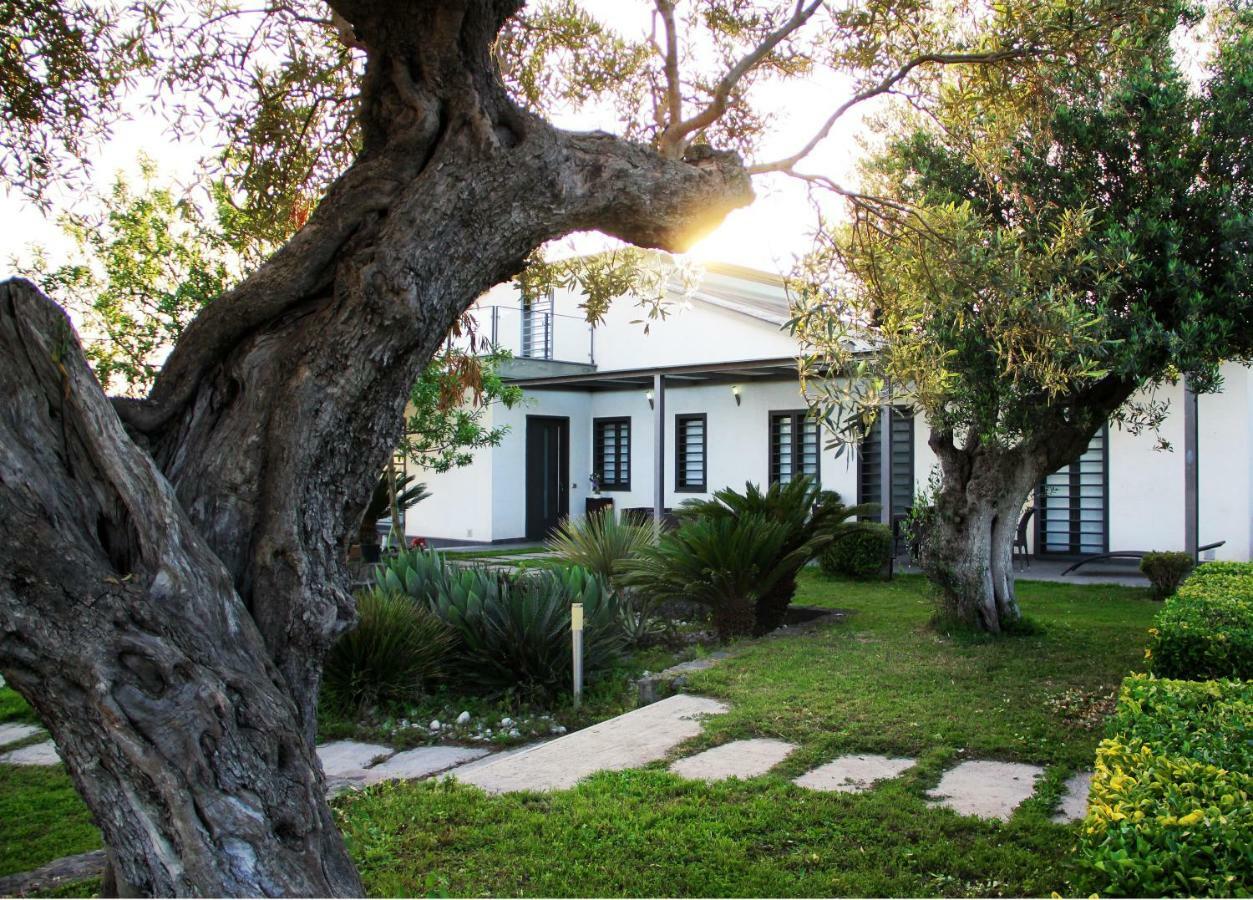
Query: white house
x=717 y=381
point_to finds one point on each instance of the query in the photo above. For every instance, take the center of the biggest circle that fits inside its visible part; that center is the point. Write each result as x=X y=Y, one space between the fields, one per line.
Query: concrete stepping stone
x=738 y=759
x=985 y=788
x=350 y=759
x=1074 y=805
x=641 y=736
x=855 y=773
x=43 y=754
x=17 y=731
x=422 y=763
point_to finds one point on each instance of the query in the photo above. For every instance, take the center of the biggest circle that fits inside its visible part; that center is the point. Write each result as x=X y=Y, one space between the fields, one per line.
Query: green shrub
x=1169 y=810
x=600 y=543
x=396 y=649
x=1205 y=570
x=811 y=519
x=512 y=633
x=1165 y=570
x=1206 y=629
x=726 y=563
x=863 y=553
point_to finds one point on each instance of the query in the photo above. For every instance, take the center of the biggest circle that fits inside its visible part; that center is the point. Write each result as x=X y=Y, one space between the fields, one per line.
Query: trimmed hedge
x=1206 y=629
x=863 y=552
x=1169 y=811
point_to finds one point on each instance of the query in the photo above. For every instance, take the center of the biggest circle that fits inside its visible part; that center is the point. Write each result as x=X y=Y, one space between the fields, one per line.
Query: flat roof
x=726 y=372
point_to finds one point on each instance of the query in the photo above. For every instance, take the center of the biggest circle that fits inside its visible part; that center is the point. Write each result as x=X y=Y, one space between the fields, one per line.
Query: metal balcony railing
x=535 y=333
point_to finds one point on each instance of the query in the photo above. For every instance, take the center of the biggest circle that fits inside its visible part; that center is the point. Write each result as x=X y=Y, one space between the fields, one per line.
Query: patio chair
x=1020 y=540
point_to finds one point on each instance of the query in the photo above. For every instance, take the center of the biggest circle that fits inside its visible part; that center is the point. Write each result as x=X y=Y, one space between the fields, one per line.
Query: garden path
x=984 y=788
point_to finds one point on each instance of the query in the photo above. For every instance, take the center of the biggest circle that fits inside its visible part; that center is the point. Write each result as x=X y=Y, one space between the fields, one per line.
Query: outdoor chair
x=1020 y=540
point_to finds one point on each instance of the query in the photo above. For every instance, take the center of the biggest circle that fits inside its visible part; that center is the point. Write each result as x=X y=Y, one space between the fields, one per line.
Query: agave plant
x=811 y=518
x=513 y=632
x=727 y=563
x=600 y=543
x=397 y=647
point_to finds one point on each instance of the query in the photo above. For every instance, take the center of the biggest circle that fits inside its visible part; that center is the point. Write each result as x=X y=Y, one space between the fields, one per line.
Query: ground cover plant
x=880 y=679
x=1170 y=813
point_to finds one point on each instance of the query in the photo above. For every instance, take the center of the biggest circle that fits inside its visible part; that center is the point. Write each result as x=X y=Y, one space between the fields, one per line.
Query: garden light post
x=576 y=636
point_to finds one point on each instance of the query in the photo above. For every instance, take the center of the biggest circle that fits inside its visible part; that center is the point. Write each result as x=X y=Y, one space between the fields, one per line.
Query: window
x=793 y=446
x=870 y=463
x=689 y=452
x=611 y=453
x=1072 y=509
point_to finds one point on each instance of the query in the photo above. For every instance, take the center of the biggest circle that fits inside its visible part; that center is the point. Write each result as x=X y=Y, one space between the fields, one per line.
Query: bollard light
x=576 y=637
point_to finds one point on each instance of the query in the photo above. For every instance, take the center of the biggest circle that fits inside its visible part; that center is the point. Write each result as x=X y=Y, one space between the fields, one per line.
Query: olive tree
x=1021 y=280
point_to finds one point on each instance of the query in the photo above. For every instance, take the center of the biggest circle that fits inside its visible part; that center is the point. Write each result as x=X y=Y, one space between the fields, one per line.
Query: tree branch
x=885 y=86
x=674 y=139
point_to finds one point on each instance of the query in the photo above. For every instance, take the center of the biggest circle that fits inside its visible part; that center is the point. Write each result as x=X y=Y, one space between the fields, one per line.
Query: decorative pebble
x=506 y=722
x=463 y=718
x=435 y=726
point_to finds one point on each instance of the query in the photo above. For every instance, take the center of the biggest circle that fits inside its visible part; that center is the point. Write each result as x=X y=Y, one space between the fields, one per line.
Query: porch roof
x=779 y=368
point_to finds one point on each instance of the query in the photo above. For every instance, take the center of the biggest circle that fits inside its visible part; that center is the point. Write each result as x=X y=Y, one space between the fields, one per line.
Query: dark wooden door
x=547 y=474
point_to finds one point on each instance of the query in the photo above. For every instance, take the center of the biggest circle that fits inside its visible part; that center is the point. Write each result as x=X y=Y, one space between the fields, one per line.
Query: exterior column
x=1191 y=506
x=659 y=450
x=885 y=474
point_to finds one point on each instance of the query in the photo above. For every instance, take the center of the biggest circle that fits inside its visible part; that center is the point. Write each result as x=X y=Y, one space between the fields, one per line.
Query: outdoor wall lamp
x=735 y=392
x=649 y=396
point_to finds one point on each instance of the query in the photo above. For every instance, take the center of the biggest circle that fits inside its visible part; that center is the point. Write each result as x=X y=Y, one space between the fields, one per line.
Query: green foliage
x=862 y=554
x=600 y=542
x=1206 y=629
x=396 y=650
x=444 y=420
x=513 y=633
x=728 y=563
x=143 y=269
x=1002 y=300
x=811 y=518
x=1165 y=570
x=1170 y=811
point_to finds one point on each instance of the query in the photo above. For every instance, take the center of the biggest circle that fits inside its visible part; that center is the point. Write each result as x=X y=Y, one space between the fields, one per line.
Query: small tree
x=1019 y=281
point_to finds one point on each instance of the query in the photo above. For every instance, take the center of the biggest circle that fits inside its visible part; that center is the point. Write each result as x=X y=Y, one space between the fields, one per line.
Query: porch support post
x=1191 y=507
x=659 y=450
x=885 y=473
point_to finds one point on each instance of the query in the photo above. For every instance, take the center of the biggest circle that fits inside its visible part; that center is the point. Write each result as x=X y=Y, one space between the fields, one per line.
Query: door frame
x=535 y=530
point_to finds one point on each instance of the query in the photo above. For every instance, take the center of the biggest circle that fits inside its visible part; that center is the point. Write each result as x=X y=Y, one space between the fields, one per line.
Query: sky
x=767 y=235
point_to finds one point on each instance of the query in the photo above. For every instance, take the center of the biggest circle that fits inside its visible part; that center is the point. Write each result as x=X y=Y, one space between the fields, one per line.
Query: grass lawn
x=879 y=680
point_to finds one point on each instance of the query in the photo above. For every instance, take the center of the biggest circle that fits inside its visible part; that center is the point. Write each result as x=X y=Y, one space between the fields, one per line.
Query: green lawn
x=879 y=680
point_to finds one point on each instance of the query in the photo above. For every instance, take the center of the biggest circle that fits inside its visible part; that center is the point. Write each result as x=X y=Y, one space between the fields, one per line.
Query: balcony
x=540 y=341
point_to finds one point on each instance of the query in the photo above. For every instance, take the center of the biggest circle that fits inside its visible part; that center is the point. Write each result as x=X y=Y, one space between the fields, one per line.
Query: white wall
x=460 y=505
x=737 y=438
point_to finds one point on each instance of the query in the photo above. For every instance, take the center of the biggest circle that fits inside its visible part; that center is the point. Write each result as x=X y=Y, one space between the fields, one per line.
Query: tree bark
x=967 y=551
x=173 y=571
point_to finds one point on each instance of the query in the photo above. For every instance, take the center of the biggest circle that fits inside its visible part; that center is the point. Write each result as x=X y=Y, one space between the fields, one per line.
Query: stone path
x=984 y=788
x=42 y=754
x=1074 y=805
x=854 y=774
x=738 y=759
x=641 y=736
x=990 y=790
x=353 y=764
x=16 y=731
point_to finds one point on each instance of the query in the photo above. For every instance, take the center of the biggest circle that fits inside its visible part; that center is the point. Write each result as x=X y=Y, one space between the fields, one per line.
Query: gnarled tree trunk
x=171 y=573
x=967 y=552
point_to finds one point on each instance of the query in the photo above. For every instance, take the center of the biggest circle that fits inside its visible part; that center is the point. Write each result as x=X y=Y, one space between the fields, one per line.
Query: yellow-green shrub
x=1169 y=810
